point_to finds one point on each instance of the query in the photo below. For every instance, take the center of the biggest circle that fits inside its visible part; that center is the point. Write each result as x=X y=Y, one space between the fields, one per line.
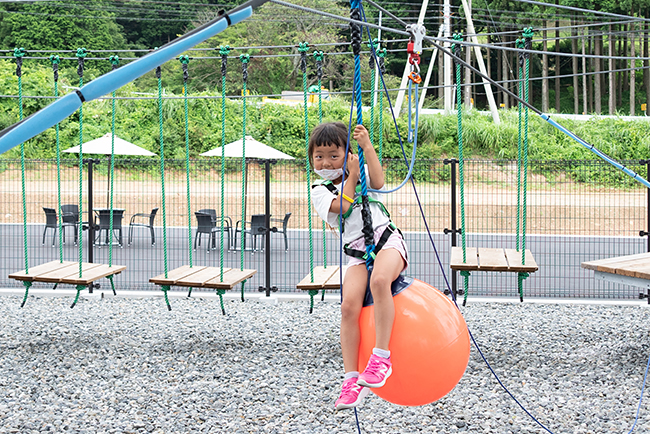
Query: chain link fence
x=576 y=211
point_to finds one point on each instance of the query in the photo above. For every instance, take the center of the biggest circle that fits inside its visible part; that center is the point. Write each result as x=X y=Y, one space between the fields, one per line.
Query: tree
x=148 y=26
x=274 y=25
x=59 y=26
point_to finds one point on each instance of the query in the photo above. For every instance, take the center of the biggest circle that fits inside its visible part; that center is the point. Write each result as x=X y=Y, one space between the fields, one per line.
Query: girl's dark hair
x=327 y=134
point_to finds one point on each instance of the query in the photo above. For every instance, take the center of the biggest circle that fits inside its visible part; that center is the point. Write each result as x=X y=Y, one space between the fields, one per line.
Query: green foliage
x=55 y=26
x=282 y=126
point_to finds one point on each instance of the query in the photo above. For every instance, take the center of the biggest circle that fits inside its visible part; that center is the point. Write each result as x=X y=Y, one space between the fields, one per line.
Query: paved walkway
x=558 y=257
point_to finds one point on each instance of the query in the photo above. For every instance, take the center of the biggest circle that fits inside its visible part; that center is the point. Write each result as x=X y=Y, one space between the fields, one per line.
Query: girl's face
x=328 y=157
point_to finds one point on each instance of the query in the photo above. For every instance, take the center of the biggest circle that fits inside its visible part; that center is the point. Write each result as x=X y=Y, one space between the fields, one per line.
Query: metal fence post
x=454 y=230
x=646 y=233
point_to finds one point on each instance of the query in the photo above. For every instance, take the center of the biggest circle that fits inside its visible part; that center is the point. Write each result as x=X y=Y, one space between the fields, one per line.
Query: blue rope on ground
x=426 y=224
x=356 y=416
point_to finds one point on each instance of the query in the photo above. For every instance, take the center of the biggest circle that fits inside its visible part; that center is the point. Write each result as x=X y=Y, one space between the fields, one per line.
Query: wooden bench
x=633 y=270
x=322 y=276
x=203 y=277
x=483 y=259
x=67 y=272
x=324 y=279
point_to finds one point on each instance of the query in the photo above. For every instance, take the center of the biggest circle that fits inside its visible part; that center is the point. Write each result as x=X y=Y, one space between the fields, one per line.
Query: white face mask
x=329 y=174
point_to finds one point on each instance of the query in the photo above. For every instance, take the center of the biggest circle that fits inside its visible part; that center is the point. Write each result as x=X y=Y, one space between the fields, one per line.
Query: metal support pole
x=454 y=229
x=646 y=233
x=267 y=228
x=447 y=64
x=91 y=225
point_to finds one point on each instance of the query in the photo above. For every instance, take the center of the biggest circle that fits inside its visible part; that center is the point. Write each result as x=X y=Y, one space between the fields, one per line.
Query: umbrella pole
x=108 y=188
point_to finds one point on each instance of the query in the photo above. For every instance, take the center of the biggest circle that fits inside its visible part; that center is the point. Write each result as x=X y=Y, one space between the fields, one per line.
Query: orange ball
x=429 y=346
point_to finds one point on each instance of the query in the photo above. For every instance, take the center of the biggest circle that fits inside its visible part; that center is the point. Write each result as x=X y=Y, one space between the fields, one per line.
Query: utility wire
x=258 y=47
x=477 y=84
x=575 y=9
x=551 y=29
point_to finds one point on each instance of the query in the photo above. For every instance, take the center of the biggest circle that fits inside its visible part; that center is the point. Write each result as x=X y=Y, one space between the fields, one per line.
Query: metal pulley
x=417 y=33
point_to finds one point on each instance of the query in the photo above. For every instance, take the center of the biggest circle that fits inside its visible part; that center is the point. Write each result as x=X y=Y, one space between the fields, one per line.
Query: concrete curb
x=331 y=297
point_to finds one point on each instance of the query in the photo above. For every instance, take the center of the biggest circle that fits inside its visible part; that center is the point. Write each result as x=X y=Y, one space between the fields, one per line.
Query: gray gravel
x=130 y=366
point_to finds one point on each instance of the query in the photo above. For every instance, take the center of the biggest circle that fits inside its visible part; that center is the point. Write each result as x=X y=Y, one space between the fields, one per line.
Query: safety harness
x=390 y=228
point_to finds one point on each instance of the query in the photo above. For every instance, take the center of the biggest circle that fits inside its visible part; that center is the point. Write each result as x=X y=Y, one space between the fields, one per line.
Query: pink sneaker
x=376 y=373
x=351 y=394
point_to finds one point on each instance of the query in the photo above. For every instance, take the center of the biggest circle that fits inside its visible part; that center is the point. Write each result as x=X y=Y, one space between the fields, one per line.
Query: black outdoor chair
x=285 y=223
x=205 y=226
x=50 y=223
x=105 y=226
x=211 y=212
x=216 y=221
x=143 y=224
x=70 y=217
x=255 y=229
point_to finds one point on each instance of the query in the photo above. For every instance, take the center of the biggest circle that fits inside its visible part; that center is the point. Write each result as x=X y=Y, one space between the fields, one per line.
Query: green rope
x=521 y=276
x=185 y=60
x=115 y=61
x=319 y=56
x=373 y=77
x=19 y=53
x=27 y=285
x=312 y=293
x=519 y=43
x=465 y=275
x=162 y=167
x=221 y=292
x=242 y=290
x=110 y=279
x=244 y=58
x=528 y=35
x=303 y=47
x=164 y=288
x=223 y=51
x=79 y=288
x=382 y=55
x=55 y=67
x=461 y=163
x=81 y=55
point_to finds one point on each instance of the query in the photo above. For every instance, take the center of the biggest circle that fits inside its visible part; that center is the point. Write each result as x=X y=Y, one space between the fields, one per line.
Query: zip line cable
x=435 y=40
x=576 y=9
x=551 y=29
x=590 y=35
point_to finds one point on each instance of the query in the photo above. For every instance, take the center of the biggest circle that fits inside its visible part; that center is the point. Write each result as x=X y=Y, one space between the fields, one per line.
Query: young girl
x=327 y=154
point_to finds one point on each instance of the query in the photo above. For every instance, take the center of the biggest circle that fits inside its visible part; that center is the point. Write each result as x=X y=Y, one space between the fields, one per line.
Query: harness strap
x=390 y=229
x=357 y=199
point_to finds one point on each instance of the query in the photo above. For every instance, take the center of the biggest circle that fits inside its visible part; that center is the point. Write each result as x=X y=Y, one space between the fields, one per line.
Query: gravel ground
x=130 y=366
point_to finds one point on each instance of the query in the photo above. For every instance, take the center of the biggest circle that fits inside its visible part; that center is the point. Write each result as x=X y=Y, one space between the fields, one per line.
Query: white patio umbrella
x=254 y=149
x=102 y=145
